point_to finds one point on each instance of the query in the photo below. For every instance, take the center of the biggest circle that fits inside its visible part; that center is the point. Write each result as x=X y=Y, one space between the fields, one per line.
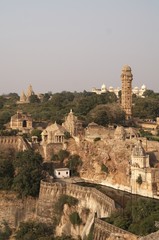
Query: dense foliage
x=138 y=217
x=6 y=169
x=75 y=218
x=74 y=162
x=5 y=231
x=65 y=199
x=148 y=107
x=37 y=231
x=34 y=231
x=54 y=107
x=28 y=167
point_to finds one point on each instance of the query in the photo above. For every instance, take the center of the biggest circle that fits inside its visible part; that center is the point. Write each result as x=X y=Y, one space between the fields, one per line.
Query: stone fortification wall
x=90 y=198
x=16 y=142
x=104 y=230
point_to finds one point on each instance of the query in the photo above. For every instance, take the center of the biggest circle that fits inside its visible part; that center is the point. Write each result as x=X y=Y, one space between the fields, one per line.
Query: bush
x=104 y=168
x=67 y=135
x=33 y=230
x=97 y=139
x=139 y=180
x=65 y=199
x=74 y=162
x=62 y=154
x=5 y=231
x=75 y=218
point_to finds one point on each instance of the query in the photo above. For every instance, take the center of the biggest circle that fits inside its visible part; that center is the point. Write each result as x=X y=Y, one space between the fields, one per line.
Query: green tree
x=139 y=179
x=5 y=231
x=74 y=162
x=28 y=167
x=6 y=169
x=62 y=154
x=36 y=132
x=34 y=99
x=34 y=231
x=75 y=218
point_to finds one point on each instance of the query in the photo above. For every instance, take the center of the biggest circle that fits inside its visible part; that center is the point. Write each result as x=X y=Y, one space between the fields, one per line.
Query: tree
x=33 y=231
x=6 y=169
x=34 y=99
x=75 y=218
x=28 y=167
x=5 y=231
x=139 y=180
x=36 y=132
x=74 y=162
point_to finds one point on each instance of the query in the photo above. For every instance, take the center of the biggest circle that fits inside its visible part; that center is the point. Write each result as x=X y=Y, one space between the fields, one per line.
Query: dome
x=126 y=68
x=136 y=88
x=143 y=87
x=111 y=88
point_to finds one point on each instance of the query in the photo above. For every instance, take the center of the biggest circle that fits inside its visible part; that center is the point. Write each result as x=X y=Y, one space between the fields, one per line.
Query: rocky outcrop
x=14 y=210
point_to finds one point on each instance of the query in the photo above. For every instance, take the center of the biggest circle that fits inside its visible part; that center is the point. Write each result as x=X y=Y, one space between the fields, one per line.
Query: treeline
x=103 y=109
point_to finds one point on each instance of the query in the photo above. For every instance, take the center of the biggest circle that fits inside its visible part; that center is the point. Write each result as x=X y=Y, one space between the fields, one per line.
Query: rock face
x=15 y=210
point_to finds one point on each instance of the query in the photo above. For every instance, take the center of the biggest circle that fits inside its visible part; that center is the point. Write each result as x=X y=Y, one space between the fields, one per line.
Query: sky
x=74 y=45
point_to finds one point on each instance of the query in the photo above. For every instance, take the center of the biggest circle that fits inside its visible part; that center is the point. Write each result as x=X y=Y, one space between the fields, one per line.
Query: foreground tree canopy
x=138 y=217
x=28 y=166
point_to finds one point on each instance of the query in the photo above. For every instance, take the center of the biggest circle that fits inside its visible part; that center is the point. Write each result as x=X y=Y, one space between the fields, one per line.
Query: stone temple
x=126 y=96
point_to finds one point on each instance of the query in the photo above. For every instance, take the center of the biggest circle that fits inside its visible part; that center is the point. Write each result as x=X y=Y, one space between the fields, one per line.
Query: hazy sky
x=75 y=45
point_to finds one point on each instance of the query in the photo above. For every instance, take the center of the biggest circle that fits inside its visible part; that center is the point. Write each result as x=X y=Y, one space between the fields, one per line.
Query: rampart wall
x=90 y=198
x=16 y=142
x=103 y=230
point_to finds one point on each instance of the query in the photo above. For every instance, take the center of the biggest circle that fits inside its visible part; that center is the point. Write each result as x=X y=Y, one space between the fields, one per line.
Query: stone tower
x=126 y=95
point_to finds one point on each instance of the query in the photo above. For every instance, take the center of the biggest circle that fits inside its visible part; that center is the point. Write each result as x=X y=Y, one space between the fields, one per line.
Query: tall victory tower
x=126 y=92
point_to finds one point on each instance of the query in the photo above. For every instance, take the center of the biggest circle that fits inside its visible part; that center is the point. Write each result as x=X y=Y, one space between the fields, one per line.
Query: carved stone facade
x=140 y=169
x=72 y=124
x=25 y=98
x=53 y=134
x=22 y=122
x=126 y=97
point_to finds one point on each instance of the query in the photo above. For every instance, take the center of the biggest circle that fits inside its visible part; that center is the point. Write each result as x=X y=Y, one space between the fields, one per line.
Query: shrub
x=139 y=180
x=67 y=135
x=75 y=218
x=65 y=199
x=74 y=162
x=104 y=168
x=97 y=139
x=62 y=154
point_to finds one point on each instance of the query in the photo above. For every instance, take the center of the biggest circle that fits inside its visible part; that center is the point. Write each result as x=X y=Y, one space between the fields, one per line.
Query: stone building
x=53 y=134
x=25 y=98
x=72 y=124
x=126 y=97
x=22 y=122
x=144 y=178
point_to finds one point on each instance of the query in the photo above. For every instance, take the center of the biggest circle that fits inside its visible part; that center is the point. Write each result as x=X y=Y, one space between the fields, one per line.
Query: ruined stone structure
x=25 y=98
x=94 y=130
x=126 y=97
x=103 y=230
x=15 y=142
x=72 y=124
x=122 y=133
x=140 y=168
x=22 y=122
